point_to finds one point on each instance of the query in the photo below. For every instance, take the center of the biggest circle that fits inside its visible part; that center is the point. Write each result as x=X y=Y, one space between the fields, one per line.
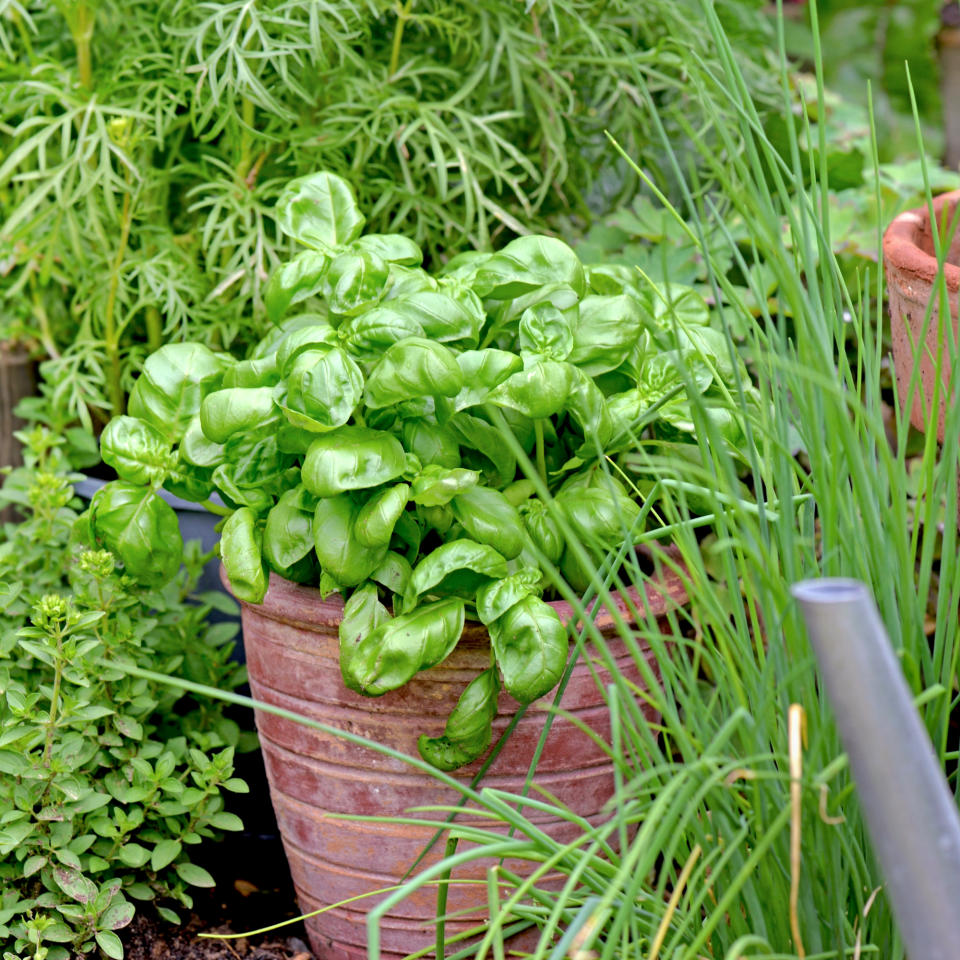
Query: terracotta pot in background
x=293 y=661
x=911 y=269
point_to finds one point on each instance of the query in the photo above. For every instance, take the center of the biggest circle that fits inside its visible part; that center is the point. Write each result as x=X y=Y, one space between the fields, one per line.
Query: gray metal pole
x=909 y=809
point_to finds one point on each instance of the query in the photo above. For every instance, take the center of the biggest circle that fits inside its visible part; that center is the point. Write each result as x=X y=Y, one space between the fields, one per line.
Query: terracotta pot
x=292 y=658
x=911 y=269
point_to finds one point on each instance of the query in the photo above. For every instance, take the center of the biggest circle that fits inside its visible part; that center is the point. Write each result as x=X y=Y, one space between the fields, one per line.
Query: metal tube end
x=830 y=590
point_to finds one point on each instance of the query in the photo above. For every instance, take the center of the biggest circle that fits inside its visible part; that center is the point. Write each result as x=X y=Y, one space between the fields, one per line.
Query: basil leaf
x=489 y=517
x=240 y=550
x=457 y=568
x=198 y=451
x=527 y=263
x=677 y=305
x=341 y=554
x=468 y=730
x=379 y=515
x=444 y=317
x=387 y=657
x=477 y=435
x=436 y=485
x=362 y=614
x=531 y=647
x=482 y=371
x=351 y=458
x=607 y=329
x=294 y=281
x=539 y=390
x=354 y=282
x=325 y=386
x=391 y=247
x=497 y=597
x=262 y=372
x=138 y=452
x=370 y=333
x=599 y=516
x=320 y=211
x=414 y=367
x=316 y=335
x=542 y=528
x=431 y=443
x=588 y=407
x=393 y=573
x=174 y=381
x=140 y=528
x=288 y=532
x=224 y=413
x=545 y=332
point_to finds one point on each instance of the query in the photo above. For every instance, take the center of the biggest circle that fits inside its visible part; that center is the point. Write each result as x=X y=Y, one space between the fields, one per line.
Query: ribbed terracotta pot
x=293 y=662
x=911 y=269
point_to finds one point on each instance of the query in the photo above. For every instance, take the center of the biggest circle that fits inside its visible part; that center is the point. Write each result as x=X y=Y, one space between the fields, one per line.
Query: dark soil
x=253 y=890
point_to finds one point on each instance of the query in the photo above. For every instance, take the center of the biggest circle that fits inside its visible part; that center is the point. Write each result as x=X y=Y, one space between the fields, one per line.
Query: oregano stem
x=54 y=699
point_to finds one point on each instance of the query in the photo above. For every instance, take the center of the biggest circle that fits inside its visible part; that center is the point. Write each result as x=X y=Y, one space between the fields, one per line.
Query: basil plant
x=358 y=448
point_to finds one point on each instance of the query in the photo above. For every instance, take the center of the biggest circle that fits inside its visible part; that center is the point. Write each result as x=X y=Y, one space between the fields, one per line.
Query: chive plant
x=145 y=143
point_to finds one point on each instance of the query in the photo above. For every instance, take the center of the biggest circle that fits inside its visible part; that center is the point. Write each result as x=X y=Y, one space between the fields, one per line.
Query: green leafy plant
x=144 y=147
x=359 y=447
x=107 y=781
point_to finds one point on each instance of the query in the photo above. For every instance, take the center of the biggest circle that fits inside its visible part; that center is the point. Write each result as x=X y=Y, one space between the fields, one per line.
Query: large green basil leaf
x=393 y=573
x=444 y=317
x=468 y=730
x=260 y=372
x=539 y=390
x=140 y=528
x=607 y=330
x=613 y=279
x=379 y=515
x=503 y=326
x=288 y=533
x=320 y=211
x=457 y=568
x=436 y=485
x=527 y=263
x=545 y=332
x=531 y=647
x=407 y=280
x=326 y=386
x=362 y=614
x=391 y=654
x=189 y=482
x=600 y=517
x=482 y=371
x=498 y=596
x=294 y=281
x=241 y=551
x=341 y=554
x=499 y=465
x=415 y=367
x=489 y=517
x=408 y=533
x=317 y=335
x=431 y=443
x=237 y=410
x=255 y=470
x=352 y=458
x=354 y=282
x=174 y=381
x=543 y=528
x=370 y=333
x=588 y=407
x=391 y=247
x=138 y=452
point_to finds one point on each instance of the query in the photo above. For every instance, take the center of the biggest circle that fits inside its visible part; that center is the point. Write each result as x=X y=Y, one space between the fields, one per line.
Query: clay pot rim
x=665 y=593
x=902 y=252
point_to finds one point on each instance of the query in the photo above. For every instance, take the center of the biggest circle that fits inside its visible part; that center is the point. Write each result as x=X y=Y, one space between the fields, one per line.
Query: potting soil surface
x=253 y=891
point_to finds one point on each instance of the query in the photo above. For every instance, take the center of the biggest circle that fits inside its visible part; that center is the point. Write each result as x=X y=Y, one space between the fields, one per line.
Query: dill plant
x=146 y=141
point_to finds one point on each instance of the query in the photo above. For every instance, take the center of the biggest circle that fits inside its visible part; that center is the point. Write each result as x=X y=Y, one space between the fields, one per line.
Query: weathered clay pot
x=292 y=658
x=911 y=269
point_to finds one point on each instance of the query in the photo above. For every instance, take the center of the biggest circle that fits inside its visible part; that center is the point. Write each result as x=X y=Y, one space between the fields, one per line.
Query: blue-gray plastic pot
x=196 y=523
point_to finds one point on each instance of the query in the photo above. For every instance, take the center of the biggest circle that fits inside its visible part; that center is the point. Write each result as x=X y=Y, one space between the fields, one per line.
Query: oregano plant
x=107 y=782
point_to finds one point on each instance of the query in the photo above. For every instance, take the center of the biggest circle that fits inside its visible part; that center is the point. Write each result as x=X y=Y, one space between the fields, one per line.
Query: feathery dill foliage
x=145 y=142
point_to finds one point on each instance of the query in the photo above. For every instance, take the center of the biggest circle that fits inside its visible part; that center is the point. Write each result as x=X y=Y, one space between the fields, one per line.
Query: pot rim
x=666 y=592
x=902 y=252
